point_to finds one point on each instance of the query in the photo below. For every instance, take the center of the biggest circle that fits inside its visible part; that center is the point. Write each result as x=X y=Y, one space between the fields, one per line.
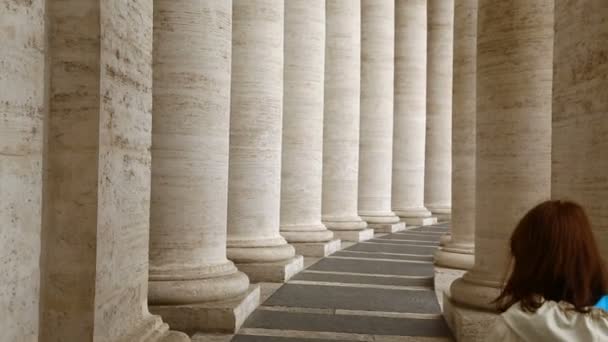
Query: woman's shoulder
x=559 y=321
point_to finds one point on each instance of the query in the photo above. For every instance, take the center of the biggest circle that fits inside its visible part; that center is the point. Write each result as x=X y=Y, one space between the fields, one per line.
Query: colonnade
x=540 y=133
x=165 y=156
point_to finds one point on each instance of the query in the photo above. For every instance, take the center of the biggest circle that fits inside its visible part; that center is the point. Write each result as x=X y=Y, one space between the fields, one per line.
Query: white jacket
x=551 y=322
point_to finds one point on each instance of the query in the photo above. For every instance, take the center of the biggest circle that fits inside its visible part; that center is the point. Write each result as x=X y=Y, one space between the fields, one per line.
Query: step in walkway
x=378 y=290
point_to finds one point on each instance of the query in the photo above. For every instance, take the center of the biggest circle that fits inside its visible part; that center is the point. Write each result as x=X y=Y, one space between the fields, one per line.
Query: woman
x=558 y=280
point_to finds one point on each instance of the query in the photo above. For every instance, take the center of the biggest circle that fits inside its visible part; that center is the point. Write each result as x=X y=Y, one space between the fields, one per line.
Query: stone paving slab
x=361 y=279
x=355 y=298
x=380 y=255
x=420 y=237
x=377 y=247
x=253 y=338
x=433 y=244
x=348 y=323
x=429 y=229
x=373 y=267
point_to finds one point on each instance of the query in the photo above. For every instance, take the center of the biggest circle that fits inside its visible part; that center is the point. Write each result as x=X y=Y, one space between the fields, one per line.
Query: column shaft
x=23 y=110
x=341 y=120
x=438 y=161
x=191 y=95
x=302 y=155
x=254 y=241
x=410 y=112
x=458 y=253
x=514 y=59
x=580 y=110
x=376 y=136
x=98 y=186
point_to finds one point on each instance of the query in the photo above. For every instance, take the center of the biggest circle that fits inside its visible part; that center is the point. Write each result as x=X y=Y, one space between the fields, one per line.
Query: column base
x=462 y=260
x=419 y=221
x=443 y=217
x=443 y=279
x=272 y=272
x=317 y=249
x=445 y=239
x=467 y=324
x=442 y=212
x=387 y=227
x=175 y=336
x=354 y=235
x=223 y=316
x=306 y=233
x=155 y=330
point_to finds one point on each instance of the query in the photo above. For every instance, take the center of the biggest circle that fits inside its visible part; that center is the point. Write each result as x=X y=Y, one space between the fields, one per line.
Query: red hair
x=555 y=258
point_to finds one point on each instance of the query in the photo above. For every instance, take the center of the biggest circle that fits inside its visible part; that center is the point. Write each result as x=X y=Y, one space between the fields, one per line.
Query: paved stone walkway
x=378 y=290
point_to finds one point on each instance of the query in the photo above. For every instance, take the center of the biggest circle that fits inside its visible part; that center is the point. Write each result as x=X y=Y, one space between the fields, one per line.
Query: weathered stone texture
x=514 y=60
x=410 y=109
x=99 y=172
x=190 y=154
x=22 y=111
x=458 y=252
x=438 y=161
x=580 y=110
x=341 y=115
x=254 y=186
x=302 y=150
x=376 y=136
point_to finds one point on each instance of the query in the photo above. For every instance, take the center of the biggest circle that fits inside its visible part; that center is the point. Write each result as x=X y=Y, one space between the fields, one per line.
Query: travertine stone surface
x=98 y=188
x=191 y=101
x=22 y=111
x=341 y=115
x=458 y=249
x=467 y=324
x=376 y=136
x=302 y=154
x=254 y=185
x=410 y=111
x=514 y=59
x=438 y=161
x=580 y=110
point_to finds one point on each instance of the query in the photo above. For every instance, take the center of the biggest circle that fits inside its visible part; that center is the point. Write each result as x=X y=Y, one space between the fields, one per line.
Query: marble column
x=22 y=114
x=438 y=161
x=302 y=154
x=97 y=190
x=341 y=121
x=376 y=136
x=580 y=110
x=513 y=160
x=191 y=101
x=254 y=185
x=410 y=112
x=458 y=252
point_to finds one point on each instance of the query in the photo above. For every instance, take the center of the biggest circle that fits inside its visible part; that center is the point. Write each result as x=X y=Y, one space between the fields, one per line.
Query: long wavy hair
x=555 y=258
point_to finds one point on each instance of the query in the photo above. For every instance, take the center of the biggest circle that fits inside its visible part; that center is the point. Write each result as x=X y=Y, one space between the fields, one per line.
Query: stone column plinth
x=438 y=161
x=376 y=136
x=254 y=185
x=458 y=251
x=97 y=190
x=410 y=112
x=190 y=277
x=341 y=121
x=580 y=111
x=22 y=116
x=302 y=160
x=513 y=163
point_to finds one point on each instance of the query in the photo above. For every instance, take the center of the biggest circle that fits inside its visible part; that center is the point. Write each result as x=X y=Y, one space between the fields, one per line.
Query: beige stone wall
x=580 y=110
x=22 y=110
